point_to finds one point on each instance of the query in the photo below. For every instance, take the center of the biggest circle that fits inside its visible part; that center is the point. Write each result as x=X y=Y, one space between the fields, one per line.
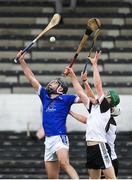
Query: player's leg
x=107 y=167
x=99 y=158
x=109 y=151
x=115 y=164
x=94 y=173
x=62 y=152
x=51 y=163
x=52 y=169
x=93 y=161
x=63 y=158
x=109 y=173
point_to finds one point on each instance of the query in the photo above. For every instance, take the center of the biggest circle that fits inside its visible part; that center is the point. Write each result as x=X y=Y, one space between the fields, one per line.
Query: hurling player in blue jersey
x=56 y=106
x=40 y=132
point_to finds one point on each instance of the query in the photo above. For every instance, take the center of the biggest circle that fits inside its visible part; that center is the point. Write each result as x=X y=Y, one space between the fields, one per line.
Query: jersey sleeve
x=111 y=121
x=70 y=99
x=41 y=92
x=88 y=106
x=104 y=105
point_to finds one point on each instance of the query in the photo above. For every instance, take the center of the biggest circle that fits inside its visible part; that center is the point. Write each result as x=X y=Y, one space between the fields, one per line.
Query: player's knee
x=109 y=173
x=64 y=163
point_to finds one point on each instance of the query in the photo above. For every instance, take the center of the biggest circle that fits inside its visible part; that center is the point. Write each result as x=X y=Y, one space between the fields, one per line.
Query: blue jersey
x=55 y=112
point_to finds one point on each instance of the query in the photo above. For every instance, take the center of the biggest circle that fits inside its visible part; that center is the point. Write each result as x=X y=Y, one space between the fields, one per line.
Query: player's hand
x=20 y=56
x=70 y=112
x=84 y=76
x=96 y=58
x=66 y=71
x=69 y=72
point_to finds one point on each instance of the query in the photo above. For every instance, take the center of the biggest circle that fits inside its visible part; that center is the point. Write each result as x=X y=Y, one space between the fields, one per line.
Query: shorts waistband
x=92 y=143
x=56 y=135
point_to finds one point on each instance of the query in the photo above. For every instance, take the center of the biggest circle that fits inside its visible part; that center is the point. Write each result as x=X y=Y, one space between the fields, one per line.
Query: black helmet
x=56 y=91
x=63 y=85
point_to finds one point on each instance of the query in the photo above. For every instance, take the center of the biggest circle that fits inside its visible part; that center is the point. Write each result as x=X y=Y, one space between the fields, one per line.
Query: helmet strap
x=58 y=90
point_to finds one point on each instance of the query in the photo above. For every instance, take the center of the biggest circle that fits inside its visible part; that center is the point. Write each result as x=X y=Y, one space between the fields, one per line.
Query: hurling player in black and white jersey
x=110 y=128
x=98 y=157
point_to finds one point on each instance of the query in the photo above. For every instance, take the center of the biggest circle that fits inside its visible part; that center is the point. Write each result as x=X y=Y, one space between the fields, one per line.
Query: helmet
x=115 y=111
x=56 y=91
x=63 y=85
x=115 y=99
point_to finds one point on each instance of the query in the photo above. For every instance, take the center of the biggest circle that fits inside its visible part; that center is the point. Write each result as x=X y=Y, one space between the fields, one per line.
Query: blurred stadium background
x=20 y=22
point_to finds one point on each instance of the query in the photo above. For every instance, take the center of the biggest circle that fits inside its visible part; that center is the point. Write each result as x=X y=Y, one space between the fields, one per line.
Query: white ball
x=52 y=39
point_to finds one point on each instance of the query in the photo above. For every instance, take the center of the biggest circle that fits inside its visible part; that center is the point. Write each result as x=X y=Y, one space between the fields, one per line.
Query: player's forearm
x=76 y=85
x=29 y=74
x=79 y=90
x=78 y=117
x=88 y=90
x=27 y=71
x=96 y=77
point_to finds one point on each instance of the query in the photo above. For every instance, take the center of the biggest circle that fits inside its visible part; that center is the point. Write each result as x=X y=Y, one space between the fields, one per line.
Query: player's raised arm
x=79 y=117
x=88 y=89
x=77 y=86
x=28 y=73
x=96 y=75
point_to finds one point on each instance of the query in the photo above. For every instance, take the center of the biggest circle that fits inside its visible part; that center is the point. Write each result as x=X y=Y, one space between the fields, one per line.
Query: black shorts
x=115 y=164
x=98 y=157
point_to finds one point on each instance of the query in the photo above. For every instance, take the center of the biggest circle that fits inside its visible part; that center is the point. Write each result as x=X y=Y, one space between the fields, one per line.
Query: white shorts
x=53 y=144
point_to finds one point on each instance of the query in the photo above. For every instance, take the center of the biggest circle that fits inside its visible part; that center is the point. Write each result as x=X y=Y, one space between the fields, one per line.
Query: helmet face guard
x=61 y=84
x=49 y=89
x=115 y=111
x=115 y=99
